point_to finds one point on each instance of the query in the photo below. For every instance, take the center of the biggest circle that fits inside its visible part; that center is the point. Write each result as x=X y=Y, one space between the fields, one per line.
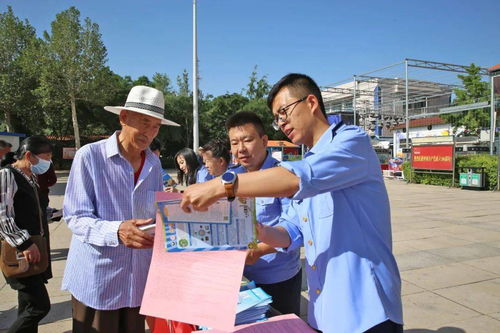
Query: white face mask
x=41 y=167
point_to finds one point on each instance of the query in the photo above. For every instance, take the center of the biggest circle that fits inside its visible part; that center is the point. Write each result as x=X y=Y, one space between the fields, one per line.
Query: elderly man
x=110 y=194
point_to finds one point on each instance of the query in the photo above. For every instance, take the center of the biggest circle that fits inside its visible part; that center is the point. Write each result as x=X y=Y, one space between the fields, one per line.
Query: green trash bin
x=472 y=178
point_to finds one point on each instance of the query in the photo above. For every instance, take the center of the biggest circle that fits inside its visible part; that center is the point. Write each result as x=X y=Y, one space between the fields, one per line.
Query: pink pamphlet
x=289 y=323
x=198 y=288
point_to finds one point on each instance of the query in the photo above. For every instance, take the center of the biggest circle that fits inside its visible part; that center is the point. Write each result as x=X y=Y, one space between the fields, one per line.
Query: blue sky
x=327 y=39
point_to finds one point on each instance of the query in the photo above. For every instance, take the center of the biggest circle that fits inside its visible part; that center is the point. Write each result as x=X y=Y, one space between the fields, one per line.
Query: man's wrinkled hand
x=170 y=189
x=131 y=236
x=201 y=196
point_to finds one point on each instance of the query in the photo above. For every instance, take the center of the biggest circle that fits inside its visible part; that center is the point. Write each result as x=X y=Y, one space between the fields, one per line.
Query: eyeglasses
x=283 y=113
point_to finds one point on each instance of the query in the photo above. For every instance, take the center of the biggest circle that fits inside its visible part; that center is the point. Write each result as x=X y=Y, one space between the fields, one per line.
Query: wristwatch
x=229 y=178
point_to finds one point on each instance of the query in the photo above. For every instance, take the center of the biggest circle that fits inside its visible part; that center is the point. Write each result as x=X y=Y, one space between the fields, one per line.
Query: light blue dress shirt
x=341 y=215
x=273 y=267
x=100 y=194
x=202 y=175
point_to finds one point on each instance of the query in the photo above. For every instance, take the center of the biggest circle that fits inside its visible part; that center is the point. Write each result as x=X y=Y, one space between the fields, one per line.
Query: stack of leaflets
x=253 y=303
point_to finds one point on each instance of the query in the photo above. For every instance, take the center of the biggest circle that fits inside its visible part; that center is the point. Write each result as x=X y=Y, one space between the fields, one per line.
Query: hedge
x=488 y=162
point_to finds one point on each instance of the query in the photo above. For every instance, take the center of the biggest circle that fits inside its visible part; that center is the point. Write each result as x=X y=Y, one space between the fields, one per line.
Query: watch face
x=228 y=177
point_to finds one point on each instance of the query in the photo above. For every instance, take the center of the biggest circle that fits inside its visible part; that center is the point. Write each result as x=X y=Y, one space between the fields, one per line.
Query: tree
x=162 y=83
x=183 y=83
x=257 y=88
x=475 y=91
x=142 y=81
x=218 y=110
x=16 y=84
x=73 y=64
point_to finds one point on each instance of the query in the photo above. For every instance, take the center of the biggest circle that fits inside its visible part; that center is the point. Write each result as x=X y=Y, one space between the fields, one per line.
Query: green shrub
x=488 y=162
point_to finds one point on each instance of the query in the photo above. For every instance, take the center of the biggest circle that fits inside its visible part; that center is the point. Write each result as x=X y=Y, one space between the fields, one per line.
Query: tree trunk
x=75 y=122
x=8 y=121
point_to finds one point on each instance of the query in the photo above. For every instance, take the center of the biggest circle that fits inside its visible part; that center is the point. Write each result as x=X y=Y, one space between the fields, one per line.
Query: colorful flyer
x=225 y=226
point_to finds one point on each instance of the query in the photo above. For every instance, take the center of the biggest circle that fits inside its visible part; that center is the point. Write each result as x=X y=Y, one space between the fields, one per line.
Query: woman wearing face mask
x=20 y=217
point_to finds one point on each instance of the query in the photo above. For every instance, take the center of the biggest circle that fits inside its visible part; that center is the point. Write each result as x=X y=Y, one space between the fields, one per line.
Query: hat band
x=145 y=107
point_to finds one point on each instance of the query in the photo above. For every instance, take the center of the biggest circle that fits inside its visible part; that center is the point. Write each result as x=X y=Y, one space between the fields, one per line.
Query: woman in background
x=22 y=216
x=187 y=165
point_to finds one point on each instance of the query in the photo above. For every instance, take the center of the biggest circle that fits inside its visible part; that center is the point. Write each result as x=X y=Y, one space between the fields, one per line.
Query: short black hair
x=155 y=145
x=219 y=148
x=243 y=118
x=36 y=144
x=300 y=85
x=4 y=144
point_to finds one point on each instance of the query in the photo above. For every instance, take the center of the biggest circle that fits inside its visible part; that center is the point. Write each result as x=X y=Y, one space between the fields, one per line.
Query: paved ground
x=447 y=244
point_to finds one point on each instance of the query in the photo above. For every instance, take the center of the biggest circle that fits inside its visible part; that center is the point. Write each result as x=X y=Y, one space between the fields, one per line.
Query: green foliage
x=217 y=112
x=259 y=106
x=489 y=162
x=73 y=67
x=18 y=105
x=257 y=88
x=183 y=83
x=58 y=85
x=475 y=90
x=162 y=83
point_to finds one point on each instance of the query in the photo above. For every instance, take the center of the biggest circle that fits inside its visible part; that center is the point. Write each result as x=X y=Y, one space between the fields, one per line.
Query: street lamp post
x=196 y=139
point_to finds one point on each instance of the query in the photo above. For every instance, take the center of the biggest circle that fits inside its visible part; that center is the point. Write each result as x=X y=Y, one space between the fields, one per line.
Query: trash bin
x=472 y=178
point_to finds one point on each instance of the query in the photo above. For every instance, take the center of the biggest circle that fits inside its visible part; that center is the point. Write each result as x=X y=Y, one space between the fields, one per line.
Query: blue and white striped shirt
x=100 y=272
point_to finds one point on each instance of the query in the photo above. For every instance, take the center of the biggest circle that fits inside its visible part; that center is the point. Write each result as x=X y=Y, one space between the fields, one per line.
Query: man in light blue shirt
x=339 y=212
x=202 y=175
x=278 y=273
x=110 y=194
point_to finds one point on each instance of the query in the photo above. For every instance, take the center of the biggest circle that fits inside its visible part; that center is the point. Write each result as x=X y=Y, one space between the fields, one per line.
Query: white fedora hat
x=145 y=100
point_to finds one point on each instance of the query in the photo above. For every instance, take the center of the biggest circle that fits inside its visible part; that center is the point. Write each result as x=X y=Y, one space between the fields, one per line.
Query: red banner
x=432 y=157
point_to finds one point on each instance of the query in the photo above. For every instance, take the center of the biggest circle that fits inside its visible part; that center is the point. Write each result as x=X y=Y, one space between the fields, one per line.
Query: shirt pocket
x=324 y=206
x=268 y=210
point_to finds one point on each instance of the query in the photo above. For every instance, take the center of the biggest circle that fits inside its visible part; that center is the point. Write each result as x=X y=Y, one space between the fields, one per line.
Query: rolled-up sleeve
x=290 y=222
x=340 y=166
x=79 y=205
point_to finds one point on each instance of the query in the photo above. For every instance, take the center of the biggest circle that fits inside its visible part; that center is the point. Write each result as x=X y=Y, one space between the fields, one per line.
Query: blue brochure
x=225 y=226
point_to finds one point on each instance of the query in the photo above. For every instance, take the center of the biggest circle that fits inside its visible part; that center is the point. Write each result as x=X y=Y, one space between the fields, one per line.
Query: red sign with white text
x=433 y=157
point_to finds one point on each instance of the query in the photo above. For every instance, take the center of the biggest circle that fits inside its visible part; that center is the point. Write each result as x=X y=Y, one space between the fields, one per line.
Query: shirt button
x=318 y=291
x=310 y=242
x=313 y=267
x=304 y=219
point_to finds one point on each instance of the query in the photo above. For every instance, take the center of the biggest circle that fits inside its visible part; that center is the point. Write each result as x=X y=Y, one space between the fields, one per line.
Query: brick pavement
x=446 y=241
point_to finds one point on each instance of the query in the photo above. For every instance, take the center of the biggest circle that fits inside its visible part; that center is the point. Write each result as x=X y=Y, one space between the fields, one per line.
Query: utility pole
x=196 y=137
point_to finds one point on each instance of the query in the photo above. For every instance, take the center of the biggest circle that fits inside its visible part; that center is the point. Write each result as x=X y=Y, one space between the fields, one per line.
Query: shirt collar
x=326 y=138
x=269 y=162
x=113 y=150
x=112 y=145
